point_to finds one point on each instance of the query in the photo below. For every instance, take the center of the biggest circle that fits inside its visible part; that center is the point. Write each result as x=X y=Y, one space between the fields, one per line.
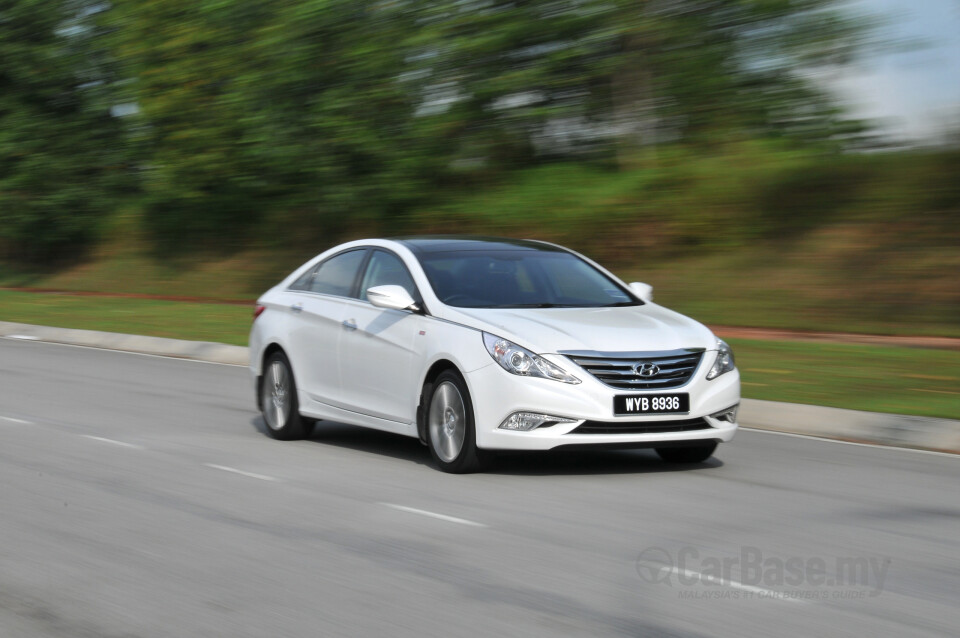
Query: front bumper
x=497 y=394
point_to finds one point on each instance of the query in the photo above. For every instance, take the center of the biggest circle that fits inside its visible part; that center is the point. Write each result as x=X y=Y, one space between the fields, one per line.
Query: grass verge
x=173 y=319
x=858 y=377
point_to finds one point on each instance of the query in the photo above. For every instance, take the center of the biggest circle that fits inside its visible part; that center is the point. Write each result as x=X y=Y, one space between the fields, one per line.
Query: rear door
x=316 y=311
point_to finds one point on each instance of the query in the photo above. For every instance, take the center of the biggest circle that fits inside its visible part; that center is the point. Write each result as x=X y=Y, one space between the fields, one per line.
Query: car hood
x=645 y=328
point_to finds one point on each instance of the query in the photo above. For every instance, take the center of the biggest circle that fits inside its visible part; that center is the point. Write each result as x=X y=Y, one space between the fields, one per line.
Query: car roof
x=459 y=243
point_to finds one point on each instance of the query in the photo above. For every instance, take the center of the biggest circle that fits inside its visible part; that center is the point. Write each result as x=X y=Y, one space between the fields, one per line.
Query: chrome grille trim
x=618 y=369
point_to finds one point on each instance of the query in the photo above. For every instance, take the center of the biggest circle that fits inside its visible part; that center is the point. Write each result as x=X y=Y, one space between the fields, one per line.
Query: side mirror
x=393 y=297
x=642 y=290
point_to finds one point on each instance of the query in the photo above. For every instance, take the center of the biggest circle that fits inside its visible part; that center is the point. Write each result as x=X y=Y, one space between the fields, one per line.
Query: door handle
x=349 y=324
x=297 y=307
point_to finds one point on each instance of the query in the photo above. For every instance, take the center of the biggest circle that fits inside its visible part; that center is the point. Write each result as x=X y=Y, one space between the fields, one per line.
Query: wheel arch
x=433 y=372
x=267 y=352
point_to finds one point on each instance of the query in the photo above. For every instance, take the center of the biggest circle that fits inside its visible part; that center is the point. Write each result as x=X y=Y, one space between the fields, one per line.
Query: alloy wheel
x=447 y=422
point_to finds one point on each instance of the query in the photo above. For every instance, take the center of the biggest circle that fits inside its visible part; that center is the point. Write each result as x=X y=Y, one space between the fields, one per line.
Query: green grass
x=876 y=378
x=804 y=289
x=764 y=287
x=547 y=201
x=858 y=377
x=174 y=319
x=124 y=263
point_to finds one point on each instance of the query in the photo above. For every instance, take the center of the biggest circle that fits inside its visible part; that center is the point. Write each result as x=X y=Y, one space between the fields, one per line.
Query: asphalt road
x=139 y=496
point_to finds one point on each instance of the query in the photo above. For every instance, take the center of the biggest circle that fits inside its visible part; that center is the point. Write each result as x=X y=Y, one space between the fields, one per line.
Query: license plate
x=651 y=404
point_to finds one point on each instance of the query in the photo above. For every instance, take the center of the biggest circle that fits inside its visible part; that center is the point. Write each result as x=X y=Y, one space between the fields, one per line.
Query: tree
x=183 y=60
x=622 y=74
x=320 y=115
x=60 y=150
x=249 y=111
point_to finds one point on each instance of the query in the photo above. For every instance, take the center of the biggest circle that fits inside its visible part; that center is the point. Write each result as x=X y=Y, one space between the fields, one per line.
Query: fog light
x=526 y=421
x=729 y=415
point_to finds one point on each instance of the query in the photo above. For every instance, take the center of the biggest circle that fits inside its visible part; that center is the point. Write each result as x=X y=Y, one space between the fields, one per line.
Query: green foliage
x=60 y=151
x=520 y=82
x=703 y=227
x=298 y=122
x=310 y=120
x=286 y=116
x=200 y=183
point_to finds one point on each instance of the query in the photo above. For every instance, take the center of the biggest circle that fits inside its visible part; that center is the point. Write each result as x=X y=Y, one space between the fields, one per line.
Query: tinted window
x=335 y=276
x=516 y=279
x=303 y=282
x=387 y=269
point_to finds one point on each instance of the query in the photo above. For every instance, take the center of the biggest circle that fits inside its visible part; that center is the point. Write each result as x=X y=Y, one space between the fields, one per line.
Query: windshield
x=520 y=279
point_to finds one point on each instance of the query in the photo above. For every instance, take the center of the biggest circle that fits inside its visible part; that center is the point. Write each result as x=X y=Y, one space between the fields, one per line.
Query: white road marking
x=442 y=517
x=23 y=337
x=713 y=580
x=13 y=420
x=892 y=448
x=113 y=442
x=262 y=477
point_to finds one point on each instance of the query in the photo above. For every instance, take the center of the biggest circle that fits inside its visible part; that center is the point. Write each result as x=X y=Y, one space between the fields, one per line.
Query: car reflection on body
x=480 y=344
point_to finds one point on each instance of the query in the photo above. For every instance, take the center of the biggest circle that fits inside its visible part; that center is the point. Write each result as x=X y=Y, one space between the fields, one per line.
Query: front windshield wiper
x=528 y=305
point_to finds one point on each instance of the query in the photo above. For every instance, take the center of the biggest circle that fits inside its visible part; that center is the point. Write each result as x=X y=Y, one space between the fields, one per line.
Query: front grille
x=649 y=427
x=620 y=369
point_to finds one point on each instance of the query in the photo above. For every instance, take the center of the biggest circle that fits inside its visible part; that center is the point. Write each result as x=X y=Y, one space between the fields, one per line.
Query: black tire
x=692 y=454
x=450 y=428
x=278 y=401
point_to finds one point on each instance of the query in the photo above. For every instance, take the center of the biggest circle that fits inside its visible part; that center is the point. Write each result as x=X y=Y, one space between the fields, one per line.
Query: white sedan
x=477 y=344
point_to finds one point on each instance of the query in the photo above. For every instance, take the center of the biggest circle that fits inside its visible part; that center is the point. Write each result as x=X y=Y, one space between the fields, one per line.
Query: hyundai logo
x=646 y=370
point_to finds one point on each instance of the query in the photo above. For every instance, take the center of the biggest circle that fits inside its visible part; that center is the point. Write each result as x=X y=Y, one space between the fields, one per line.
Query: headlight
x=522 y=362
x=724 y=362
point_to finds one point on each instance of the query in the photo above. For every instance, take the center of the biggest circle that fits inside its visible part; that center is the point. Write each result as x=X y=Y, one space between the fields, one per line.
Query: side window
x=387 y=269
x=303 y=282
x=335 y=276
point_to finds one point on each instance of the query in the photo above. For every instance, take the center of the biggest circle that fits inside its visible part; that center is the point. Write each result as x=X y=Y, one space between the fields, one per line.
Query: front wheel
x=278 y=401
x=451 y=432
x=692 y=454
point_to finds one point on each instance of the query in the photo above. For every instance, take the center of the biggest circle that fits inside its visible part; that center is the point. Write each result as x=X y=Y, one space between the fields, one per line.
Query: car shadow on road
x=552 y=463
x=362 y=440
x=565 y=462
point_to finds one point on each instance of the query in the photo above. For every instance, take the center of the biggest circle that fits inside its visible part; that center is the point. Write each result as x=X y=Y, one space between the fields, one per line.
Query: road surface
x=139 y=496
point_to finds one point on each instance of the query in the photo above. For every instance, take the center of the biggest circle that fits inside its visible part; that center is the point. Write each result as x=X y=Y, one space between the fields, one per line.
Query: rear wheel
x=451 y=432
x=278 y=401
x=692 y=454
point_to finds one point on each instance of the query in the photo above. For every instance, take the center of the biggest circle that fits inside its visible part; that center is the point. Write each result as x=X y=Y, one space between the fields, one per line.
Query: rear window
x=334 y=276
